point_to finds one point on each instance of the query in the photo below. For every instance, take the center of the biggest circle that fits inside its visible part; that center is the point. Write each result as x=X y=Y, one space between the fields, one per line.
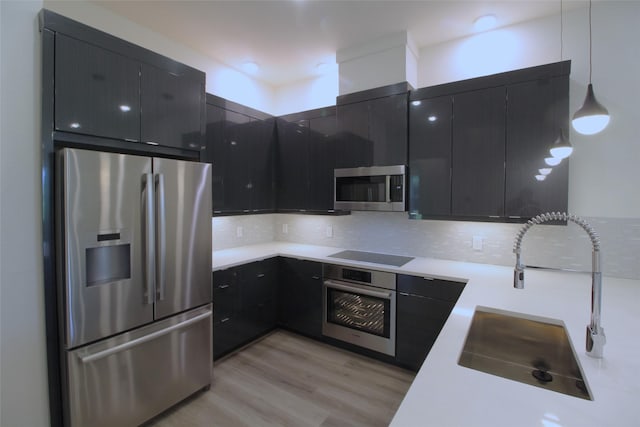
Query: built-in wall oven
x=359 y=307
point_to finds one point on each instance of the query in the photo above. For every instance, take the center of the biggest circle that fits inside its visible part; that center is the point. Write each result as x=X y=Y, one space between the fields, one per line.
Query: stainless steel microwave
x=375 y=188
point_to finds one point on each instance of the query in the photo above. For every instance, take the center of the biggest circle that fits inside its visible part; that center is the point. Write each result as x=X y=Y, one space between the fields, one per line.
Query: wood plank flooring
x=288 y=380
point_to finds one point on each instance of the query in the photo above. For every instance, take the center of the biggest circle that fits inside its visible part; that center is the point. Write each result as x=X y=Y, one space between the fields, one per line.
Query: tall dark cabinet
x=306 y=159
x=103 y=93
x=240 y=146
x=372 y=127
x=476 y=145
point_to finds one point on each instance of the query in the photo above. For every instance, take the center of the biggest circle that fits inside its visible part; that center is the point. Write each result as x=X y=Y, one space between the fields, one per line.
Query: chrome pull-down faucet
x=595 y=332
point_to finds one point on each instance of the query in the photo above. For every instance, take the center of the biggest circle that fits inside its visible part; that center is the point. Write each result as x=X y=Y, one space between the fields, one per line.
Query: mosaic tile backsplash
x=544 y=245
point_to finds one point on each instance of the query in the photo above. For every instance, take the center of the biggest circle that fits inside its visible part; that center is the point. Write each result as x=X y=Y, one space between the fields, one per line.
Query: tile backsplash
x=544 y=245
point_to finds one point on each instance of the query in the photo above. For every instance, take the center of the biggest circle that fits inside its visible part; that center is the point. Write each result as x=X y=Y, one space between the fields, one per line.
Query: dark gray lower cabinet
x=300 y=296
x=423 y=308
x=244 y=304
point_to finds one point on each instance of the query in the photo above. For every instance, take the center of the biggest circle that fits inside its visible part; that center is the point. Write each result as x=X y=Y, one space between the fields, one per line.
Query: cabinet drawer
x=433 y=288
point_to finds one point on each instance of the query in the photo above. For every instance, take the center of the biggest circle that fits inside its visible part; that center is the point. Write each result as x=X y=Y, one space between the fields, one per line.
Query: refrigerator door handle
x=161 y=236
x=148 y=219
x=138 y=341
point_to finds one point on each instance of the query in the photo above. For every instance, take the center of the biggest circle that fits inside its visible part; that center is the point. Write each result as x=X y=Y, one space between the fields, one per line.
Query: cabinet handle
x=315 y=277
x=428 y=278
x=226 y=319
x=404 y=294
x=223 y=286
x=260 y=276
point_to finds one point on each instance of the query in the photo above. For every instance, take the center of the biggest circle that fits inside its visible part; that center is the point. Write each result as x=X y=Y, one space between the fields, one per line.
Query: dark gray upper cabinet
x=172 y=109
x=108 y=92
x=322 y=131
x=478 y=144
x=477 y=157
x=240 y=145
x=306 y=159
x=293 y=162
x=430 y=158
x=372 y=127
x=536 y=111
x=97 y=92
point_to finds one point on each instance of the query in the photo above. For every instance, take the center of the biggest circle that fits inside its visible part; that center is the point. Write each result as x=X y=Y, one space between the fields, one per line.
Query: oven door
x=361 y=315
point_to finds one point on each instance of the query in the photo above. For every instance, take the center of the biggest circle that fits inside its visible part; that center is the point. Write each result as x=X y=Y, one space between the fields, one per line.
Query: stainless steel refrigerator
x=134 y=284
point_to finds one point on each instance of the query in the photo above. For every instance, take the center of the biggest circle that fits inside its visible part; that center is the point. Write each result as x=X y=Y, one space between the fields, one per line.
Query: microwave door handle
x=388 y=188
x=148 y=219
x=161 y=236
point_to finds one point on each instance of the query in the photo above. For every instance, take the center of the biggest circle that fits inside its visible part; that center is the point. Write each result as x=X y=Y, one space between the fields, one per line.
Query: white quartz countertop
x=445 y=394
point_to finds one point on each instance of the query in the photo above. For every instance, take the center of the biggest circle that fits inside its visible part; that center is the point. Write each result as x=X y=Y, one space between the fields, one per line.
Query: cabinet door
x=536 y=111
x=216 y=154
x=237 y=132
x=300 y=296
x=172 y=109
x=478 y=181
x=354 y=147
x=321 y=142
x=419 y=321
x=226 y=304
x=293 y=173
x=97 y=92
x=258 y=293
x=261 y=166
x=430 y=157
x=388 y=130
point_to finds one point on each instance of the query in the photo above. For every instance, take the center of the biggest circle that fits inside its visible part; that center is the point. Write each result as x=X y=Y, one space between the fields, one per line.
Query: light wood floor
x=288 y=380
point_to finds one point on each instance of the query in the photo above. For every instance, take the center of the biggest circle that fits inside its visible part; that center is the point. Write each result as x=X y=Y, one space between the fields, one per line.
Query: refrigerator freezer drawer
x=130 y=378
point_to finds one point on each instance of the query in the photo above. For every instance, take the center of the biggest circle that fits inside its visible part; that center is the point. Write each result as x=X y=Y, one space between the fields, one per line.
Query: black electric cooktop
x=372 y=257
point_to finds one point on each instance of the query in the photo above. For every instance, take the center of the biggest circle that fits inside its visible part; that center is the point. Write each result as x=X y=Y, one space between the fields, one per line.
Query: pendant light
x=592 y=117
x=561 y=148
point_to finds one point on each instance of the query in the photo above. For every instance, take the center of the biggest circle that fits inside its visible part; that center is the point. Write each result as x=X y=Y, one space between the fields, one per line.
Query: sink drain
x=542 y=376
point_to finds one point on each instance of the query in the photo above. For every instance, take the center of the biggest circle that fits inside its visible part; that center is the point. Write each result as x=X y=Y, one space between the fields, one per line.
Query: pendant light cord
x=590 y=48
x=561 y=56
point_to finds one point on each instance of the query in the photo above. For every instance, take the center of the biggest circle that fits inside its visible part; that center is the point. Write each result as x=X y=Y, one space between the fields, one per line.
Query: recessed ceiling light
x=250 y=67
x=484 y=23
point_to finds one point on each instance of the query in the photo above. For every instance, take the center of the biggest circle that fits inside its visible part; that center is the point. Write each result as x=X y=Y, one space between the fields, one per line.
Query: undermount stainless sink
x=529 y=349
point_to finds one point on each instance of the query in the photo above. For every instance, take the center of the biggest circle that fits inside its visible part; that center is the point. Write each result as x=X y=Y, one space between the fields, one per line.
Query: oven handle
x=342 y=287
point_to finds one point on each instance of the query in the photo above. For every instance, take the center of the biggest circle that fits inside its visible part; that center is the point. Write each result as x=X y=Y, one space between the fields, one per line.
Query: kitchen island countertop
x=445 y=394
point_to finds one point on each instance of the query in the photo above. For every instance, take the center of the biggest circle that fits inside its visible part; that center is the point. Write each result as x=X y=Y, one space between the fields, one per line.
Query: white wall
x=222 y=80
x=307 y=94
x=604 y=173
x=384 y=61
x=23 y=373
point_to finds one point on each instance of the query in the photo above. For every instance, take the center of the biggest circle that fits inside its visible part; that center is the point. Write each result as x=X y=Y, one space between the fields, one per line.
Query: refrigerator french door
x=135 y=284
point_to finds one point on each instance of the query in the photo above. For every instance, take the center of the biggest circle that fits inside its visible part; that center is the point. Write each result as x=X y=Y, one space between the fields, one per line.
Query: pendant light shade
x=592 y=117
x=561 y=148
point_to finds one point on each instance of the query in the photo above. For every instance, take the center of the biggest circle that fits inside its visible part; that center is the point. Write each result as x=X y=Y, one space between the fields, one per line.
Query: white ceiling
x=289 y=38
